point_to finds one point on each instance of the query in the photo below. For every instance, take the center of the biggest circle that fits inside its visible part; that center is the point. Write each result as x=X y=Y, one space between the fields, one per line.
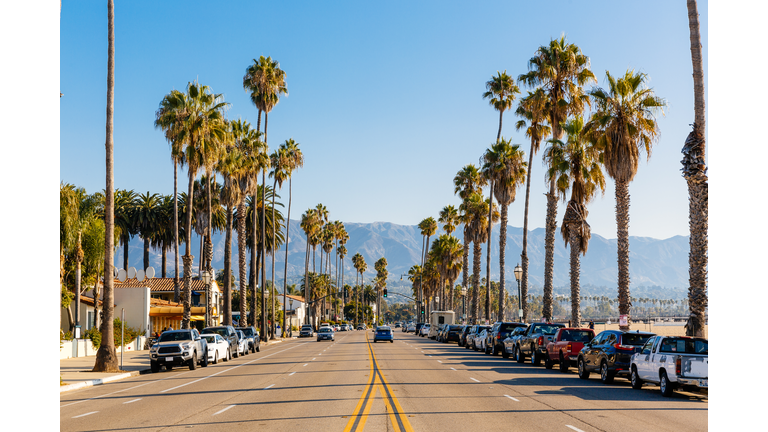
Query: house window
x=89 y=321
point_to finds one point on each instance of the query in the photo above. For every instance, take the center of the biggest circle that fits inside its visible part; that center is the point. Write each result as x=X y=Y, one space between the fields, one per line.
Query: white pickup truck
x=671 y=362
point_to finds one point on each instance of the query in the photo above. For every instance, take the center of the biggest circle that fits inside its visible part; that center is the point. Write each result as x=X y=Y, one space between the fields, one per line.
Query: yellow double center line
x=377 y=383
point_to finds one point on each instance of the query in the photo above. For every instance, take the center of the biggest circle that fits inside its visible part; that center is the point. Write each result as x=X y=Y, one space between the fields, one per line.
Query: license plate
x=169 y=359
x=703 y=383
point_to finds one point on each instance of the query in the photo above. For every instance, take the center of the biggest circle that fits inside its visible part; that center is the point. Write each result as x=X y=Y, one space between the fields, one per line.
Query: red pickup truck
x=565 y=347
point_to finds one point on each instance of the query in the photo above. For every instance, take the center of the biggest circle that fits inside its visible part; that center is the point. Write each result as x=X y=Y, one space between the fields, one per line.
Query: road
x=352 y=384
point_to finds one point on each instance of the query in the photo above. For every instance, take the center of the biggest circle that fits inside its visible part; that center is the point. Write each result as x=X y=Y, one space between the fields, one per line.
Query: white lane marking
x=453 y=369
x=473 y=379
x=314 y=358
x=306 y=364
x=576 y=429
x=131 y=388
x=292 y=373
x=269 y=386
x=227 y=370
x=512 y=398
x=430 y=356
x=132 y=401
x=83 y=415
x=219 y=412
x=439 y=361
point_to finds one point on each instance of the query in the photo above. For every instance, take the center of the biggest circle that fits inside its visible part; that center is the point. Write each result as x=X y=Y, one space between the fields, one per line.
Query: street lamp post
x=518 y=276
x=463 y=303
x=206 y=276
x=290 y=325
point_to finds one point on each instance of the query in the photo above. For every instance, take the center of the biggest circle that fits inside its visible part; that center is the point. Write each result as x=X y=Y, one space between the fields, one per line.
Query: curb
x=95 y=382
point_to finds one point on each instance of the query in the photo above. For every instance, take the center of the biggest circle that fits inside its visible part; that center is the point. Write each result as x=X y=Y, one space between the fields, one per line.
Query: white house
x=295 y=309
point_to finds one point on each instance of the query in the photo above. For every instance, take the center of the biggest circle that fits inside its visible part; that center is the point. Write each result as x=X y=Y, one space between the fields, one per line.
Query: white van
x=438 y=318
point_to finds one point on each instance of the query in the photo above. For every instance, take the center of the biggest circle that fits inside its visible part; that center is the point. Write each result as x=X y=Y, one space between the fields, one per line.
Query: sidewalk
x=76 y=372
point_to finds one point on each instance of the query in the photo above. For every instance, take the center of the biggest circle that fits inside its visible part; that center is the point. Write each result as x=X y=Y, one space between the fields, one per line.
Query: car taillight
x=568 y=348
x=541 y=340
x=498 y=336
x=624 y=347
x=678 y=366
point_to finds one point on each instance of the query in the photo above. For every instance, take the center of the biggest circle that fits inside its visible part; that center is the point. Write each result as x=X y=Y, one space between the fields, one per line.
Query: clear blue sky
x=385 y=98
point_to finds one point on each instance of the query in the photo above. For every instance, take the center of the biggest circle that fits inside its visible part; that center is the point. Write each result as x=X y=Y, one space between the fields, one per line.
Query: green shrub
x=130 y=334
x=95 y=336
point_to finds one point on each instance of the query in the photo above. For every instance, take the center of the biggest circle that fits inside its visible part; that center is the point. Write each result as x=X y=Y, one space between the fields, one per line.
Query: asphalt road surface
x=353 y=384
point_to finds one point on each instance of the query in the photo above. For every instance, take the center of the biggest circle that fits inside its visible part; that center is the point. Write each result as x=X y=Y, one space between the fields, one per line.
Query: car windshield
x=175 y=336
x=221 y=331
x=507 y=327
x=454 y=328
x=635 y=339
x=685 y=346
x=210 y=339
x=325 y=330
x=383 y=329
x=549 y=329
x=577 y=335
x=247 y=331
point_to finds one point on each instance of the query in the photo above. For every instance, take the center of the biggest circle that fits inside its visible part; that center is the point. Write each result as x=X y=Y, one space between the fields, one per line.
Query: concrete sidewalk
x=76 y=372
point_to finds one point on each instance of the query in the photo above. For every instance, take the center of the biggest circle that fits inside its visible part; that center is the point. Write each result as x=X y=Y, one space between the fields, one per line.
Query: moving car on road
x=306 y=331
x=178 y=347
x=325 y=333
x=610 y=353
x=218 y=348
x=672 y=362
x=384 y=333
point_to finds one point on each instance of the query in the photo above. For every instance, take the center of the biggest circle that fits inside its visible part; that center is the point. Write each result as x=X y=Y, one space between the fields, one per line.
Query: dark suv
x=229 y=334
x=463 y=335
x=610 y=352
x=494 y=343
x=253 y=338
x=452 y=333
x=473 y=333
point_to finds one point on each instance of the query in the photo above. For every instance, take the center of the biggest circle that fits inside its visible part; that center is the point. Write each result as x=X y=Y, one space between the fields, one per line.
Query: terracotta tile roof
x=159 y=284
x=299 y=298
x=156 y=302
x=89 y=301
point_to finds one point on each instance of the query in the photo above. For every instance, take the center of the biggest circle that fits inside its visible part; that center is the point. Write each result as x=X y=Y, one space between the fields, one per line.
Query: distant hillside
x=662 y=264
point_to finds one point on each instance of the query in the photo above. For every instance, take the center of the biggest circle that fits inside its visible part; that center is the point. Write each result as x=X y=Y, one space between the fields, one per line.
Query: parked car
x=253 y=338
x=417 y=332
x=325 y=333
x=410 y=328
x=361 y=327
x=218 y=348
x=229 y=334
x=178 y=347
x=452 y=333
x=242 y=343
x=474 y=332
x=463 y=336
x=384 y=333
x=336 y=327
x=672 y=362
x=510 y=343
x=397 y=325
x=534 y=342
x=565 y=346
x=495 y=338
x=424 y=330
x=480 y=340
x=610 y=352
x=306 y=331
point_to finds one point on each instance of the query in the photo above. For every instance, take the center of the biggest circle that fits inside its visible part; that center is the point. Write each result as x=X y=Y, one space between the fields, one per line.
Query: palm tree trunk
x=547 y=307
x=163 y=253
x=502 y=257
x=622 y=243
x=476 y=278
x=549 y=247
x=274 y=228
x=176 y=288
x=208 y=255
x=264 y=241
x=186 y=296
x=227 y=312
x=573 y=234
x=106 y=357
x=126 y=239
x=465 y=266
x=241 y=244
x=146 y=253
x=488 y=259
x=498 y=135
x=306 y=284
x=285 y=274
x=254 y=254
x=698 y=70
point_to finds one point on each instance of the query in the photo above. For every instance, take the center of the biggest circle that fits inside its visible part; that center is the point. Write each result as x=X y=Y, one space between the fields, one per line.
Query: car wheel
x=547 y=362
x=564 y=363
x=392 y=341
x=193 y=361
x=535 y=357
x=228 y=357
x=637 y=383
x=494 y=351
x=486 y=349
x=154 y=366
x=605 y=375
x=665 y=385
x=583 y=372
x=258 y=347
x=216 y=357
x=237 y=352
x=204 y=363
x=519 y=356
x=504 y=353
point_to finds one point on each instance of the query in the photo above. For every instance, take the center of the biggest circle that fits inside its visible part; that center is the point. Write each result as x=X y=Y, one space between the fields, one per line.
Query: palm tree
x=124 y=212
x=623 y=125
x=579 y=162
x=163 y=237
x=447 y=250
x=381 y=275
x=508 y=175
x=279 y=162
x=231 y=194
x=501 y=90
x=203 y=122
x=562 y=70
x=310 y=226
x=449 y=217
x=476 y=210
x=106 y=357
x=533 y=113
x=428 y=228
x=147 y=220
x=466 y=182
x=695 y=173
x=294 y=160
x=361 y=267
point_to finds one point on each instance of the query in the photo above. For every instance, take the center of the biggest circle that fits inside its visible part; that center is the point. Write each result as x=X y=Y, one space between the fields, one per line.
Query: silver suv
x=306 y=331
x=178 y=348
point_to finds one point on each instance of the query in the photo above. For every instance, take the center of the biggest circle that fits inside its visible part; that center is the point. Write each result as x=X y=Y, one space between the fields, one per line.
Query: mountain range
x=653 y=262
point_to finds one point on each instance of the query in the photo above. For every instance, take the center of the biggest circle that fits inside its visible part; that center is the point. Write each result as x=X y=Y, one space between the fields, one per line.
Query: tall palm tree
x=124 y=211
x=476 y=209
x=203 y=123
x=147 y=220
x=466 y=182
x=501 y=91
x=361 y=267
x=623 y=125
x=562 y=70
x=106 y=356
x=381 y=275
x=279 y=162
x=532 y=109
x=449 y=217
x=695 y=173
x=294 y=160
x=448 y=252
x=509 y=173
x=231 y=194
x=428 y=228
x=309 y=226
x=579 y=161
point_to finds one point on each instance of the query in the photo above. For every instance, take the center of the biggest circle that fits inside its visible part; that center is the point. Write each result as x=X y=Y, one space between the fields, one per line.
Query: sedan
x=384 y=333
x=424 y=330
x=411 y=328
x=325 y=333
x=218 y=348
x=242 y=343
x=478 y=343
